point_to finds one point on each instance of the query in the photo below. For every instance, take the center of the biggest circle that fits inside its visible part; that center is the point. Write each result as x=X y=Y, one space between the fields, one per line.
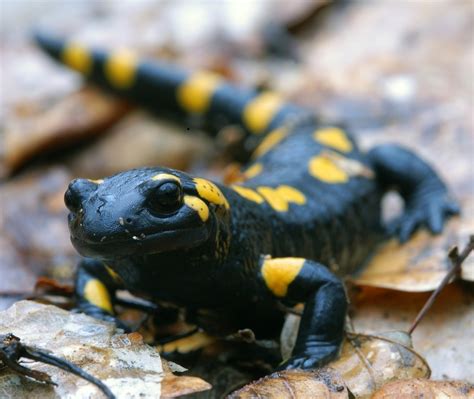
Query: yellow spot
x=166 y=176
x=77 y=57
x=291 y=194
x=259 y=112
x=198 y=205
x=280 y=197
x=121 y=67
x=210 y=192
x=248 y=193
x=113 y=274
x=333 y=137
x=195 y=94
x=98 y=181
x=327 y=170
x=188 y=344
x=270 y=141
x=275 y=201
x=253 y=171
x=96 y=293
x=279 y=273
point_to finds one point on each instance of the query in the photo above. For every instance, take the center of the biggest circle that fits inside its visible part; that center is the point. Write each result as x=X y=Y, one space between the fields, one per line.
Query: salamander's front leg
x=95 y=288
x=322 y=324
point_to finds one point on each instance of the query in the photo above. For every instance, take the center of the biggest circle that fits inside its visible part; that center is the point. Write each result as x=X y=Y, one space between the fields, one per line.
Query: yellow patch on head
x=248 y=193
x=166 y=176
x=195 y=94
x=96 y=293
x=326 y=169
x=333 y=137
x=121 y=67
x=279 y=273
x=253 y=171
x=198 y=205
x=270 y=141
x=279 y=198
x=210 y=192
x=259 y=112
x=77 y=57
x=96 y=181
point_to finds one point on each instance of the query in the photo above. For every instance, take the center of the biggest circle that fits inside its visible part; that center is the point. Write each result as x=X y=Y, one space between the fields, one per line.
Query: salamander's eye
x=166 y=198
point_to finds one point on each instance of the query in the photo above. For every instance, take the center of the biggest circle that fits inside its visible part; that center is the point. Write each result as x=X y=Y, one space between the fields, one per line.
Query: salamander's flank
x=307 y=209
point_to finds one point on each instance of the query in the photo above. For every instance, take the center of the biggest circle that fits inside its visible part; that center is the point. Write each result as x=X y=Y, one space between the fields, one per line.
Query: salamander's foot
x=311 y=359
x=431 y=211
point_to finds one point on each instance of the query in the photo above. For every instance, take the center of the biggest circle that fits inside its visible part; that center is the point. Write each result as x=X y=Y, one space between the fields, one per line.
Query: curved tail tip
x=47 y=42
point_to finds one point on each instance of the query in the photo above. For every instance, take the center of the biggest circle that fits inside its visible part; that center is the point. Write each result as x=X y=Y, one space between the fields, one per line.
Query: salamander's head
x=143 y=211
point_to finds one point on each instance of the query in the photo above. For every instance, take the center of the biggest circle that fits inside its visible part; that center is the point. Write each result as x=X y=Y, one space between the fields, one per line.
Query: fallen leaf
x=300 y=384
x=421 y=388
x=173 y=386
x=34 y=238
x=367 y=362
x=442 y=337
x=123 y=362
x=421 y=263
x=78 y=116
x=148 y=142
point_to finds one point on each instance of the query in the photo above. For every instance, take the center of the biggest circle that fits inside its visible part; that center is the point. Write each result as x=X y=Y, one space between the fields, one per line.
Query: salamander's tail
x=164 y=87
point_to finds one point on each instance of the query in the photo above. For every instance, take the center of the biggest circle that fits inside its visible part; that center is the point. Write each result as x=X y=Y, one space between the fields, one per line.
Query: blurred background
x=392 y=71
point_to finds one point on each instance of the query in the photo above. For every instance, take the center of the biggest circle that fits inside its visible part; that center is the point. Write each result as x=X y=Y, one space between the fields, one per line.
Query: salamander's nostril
x=72 y=200
x=78 y=190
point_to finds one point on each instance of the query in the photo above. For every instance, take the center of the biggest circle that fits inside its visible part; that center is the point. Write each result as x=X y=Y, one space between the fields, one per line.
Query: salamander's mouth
x=165 y=241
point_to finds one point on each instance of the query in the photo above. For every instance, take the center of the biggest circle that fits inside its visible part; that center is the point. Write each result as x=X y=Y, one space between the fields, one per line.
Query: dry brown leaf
x=173 y=386
x=34 y=238
x=368 y=361
x=297 y=384
x=442 y=338
x=420 y=264
x=421 y=388
x=123 y=362
x=76 y=117
x=141 y=140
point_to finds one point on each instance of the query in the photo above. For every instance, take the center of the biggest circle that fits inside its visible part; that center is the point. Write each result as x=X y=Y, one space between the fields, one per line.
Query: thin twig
x=11 y=350
x=44 y=357
x=456 y=261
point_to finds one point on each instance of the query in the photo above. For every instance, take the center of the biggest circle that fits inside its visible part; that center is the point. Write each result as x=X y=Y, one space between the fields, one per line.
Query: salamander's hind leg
x=322 y=324
x=427 y=201
x=95 y=288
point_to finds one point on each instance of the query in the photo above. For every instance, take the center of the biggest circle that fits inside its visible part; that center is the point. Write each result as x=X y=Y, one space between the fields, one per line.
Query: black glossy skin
x=168 y=253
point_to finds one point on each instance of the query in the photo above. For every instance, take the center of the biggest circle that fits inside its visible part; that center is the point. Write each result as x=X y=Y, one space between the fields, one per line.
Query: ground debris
x=123 y=362
x=366 y=363
x=421 y=388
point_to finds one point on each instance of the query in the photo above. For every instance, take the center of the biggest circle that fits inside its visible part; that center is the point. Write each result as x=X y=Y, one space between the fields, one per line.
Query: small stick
x=11 y=350
x=44 y=357
x=456 y=261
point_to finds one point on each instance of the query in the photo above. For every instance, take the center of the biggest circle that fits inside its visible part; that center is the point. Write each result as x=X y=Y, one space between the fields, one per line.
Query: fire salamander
x=307 y=212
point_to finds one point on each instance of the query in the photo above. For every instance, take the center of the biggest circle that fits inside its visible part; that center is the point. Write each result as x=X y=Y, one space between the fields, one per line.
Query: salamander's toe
x=303 y=362
x=432 y=214
x=311 y=358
